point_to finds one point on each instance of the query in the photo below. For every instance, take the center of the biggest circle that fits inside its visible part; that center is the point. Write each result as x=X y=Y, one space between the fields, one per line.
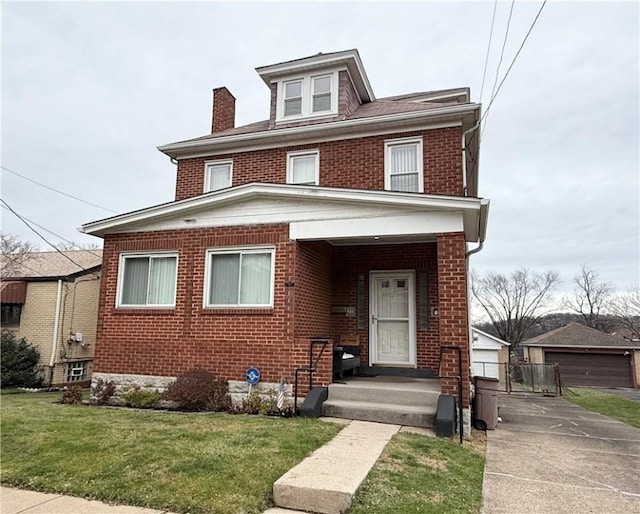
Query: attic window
x=307 y=96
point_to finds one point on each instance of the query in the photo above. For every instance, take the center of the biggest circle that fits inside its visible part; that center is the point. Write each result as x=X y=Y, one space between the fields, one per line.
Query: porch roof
x=313 y=213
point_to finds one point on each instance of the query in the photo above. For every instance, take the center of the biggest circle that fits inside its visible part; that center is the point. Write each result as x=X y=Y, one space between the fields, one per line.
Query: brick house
x=340 y=214
x=51 y=299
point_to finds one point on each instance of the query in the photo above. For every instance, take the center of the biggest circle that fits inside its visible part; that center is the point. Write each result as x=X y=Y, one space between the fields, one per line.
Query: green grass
x=612 y=405
x=192 y=463
x=418 y=474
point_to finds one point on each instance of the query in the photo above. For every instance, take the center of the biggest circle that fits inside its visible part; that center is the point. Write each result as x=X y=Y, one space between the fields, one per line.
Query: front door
x=392 y=333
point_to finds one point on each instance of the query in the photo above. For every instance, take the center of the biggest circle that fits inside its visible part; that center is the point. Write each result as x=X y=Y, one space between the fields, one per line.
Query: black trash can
x=485 y=403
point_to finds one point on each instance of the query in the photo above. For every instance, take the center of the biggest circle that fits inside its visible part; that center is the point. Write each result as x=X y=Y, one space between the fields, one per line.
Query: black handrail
x=311 y=368
x=458 y=378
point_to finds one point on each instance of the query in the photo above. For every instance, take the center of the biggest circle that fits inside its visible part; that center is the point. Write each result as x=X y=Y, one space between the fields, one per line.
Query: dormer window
x=307 y=96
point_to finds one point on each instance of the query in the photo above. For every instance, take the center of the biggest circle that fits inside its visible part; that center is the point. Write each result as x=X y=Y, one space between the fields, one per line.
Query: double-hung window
x=240 y=277
x=307 y=96
x=147 y=280
x=217 y=175
x=403 y=165
x=293 y=98
x=321 y=101
x=303 y=167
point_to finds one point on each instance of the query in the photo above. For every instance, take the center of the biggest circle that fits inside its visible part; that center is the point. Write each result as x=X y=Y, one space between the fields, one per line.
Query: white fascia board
x=183 y=207
x=411 y=224
x=332 y=130
x=489 y=336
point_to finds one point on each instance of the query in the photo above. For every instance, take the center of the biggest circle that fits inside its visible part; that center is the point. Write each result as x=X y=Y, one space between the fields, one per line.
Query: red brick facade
x=224 y=110
x=351 y=163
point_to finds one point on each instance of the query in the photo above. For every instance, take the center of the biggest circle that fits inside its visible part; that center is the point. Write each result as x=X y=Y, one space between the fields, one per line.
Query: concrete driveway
x=551 y=456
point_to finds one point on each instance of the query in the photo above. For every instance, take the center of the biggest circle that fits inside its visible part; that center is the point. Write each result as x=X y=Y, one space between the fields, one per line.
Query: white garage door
x=485 y=363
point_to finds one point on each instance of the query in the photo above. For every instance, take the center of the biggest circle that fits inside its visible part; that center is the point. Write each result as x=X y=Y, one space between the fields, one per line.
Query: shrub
x=141 y=398
x=198 y=390
x=102 y=391
x=72 y=395
x=266 y=404
x=19 y=362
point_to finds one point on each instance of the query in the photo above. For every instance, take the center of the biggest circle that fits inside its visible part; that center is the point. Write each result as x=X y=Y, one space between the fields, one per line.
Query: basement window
x=77 y=371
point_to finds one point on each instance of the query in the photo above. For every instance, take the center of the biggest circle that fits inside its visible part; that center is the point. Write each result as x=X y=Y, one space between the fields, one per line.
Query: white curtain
x=225 y=272
x=404 y=168
x=162 y=281
x=255 y=281
x=304 y=169
x=219 y=177
x=135 y=280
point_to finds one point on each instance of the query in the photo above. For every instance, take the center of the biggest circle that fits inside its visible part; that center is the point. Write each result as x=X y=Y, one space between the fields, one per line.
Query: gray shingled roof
x=52 y=264
x=576 y=335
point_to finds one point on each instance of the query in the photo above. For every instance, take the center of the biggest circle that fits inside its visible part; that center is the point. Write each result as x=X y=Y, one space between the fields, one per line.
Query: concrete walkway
x=551 y=456
x=19 y=501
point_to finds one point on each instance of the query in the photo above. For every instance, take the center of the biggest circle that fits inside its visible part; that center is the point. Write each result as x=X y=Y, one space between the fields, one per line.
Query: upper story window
x=403 y=165
x=303 y=167
x=305 y=97
x=147 y=280
x=240 y=277
x=218 y=175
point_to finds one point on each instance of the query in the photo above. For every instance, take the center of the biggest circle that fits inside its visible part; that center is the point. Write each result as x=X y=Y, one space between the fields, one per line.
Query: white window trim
x=388 y=144
x=307 y=97
x=300 y=153
x=234 y=250
x=81 y=365
x=123 y=257
x=207 y=174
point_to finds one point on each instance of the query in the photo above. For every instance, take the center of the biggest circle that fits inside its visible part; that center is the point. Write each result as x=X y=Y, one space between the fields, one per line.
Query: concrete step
x=411 y=415
x=387 y=393
x=327 y=481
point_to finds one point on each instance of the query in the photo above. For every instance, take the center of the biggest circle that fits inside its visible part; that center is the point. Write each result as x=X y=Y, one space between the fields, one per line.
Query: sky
x=90 y=89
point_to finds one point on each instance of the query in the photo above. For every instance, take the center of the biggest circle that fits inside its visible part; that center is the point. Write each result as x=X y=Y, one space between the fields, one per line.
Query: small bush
x=19 y=362
x=140 y=398
x=198 y=390
x=266 y=404
x=102 y=391
x=72 y=395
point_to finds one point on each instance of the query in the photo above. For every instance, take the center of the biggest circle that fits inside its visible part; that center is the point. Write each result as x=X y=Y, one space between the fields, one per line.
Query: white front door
x=392 y=332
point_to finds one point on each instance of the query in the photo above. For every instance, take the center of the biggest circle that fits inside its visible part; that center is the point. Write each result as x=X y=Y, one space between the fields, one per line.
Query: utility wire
x=56 y=190
x=72 y=243
x=41 y=236
x=486 y=59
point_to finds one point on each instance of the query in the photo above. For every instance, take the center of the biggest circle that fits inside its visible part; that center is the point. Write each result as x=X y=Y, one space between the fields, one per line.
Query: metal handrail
x=458 y=378
x=311 y=368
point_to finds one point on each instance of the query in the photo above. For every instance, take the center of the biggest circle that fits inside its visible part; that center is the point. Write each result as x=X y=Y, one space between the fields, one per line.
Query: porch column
x=453 y=309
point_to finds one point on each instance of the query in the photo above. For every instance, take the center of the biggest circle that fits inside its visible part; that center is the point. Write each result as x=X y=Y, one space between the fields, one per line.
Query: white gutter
x=56 y=322
x=335 y=126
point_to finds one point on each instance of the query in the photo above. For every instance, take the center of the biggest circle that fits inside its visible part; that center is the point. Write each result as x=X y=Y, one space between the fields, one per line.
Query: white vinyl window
x=218 y=175
x=240 y=278
x=303 y=167
x=293 y=98
x=321 y=101
x=307 y=96
x=403 y=165
x=147 y=280
x=76 y=371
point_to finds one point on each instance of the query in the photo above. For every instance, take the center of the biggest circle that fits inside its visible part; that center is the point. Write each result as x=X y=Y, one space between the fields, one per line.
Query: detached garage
x=587 y=357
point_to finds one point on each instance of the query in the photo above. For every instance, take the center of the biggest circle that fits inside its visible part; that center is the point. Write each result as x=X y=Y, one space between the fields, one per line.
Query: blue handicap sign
x=253 y=376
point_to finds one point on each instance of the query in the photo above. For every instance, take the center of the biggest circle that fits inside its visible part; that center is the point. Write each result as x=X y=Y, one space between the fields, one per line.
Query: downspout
x=464 y=156
x=54 y=340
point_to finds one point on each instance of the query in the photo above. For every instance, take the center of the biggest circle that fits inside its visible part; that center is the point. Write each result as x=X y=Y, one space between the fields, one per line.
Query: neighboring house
x=490 y=355
x=340 y=214
x=51 y=299
x=587 y=357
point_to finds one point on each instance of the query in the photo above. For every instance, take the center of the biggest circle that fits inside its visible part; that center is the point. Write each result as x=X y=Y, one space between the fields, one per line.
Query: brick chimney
x=224 y=110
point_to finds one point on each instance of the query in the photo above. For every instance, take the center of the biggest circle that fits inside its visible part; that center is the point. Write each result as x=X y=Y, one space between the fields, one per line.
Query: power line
x=41 y=236
x=56 y=190
x=57 y=235
x=486 y=59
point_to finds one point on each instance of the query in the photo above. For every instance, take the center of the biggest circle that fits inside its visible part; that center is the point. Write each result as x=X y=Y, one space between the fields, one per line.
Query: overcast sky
x=90 y=89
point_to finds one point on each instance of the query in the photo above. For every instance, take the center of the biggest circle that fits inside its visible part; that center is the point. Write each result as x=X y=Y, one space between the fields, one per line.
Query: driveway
x=551 y=456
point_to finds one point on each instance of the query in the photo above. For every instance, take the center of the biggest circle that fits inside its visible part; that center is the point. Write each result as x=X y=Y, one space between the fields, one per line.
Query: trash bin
x=485 y=403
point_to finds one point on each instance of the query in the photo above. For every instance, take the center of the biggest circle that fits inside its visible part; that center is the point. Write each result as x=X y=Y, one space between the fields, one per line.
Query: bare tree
x=64 y=246
x=589 y=297
x=15 y=254
x=516 y=302
x=626 y=308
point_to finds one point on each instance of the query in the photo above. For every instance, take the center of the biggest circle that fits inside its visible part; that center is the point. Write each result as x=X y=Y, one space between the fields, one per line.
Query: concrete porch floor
x=393 y=383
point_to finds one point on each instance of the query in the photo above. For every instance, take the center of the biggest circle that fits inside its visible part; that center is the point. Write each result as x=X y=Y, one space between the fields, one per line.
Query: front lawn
x=612 y=405
x=418 y=474
x=196 y=463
